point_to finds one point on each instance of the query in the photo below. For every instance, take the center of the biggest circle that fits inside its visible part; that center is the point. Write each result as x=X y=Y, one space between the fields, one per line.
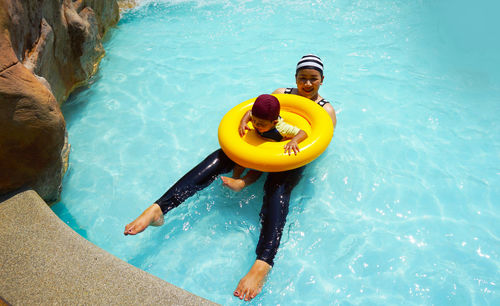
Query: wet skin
x=308 y=83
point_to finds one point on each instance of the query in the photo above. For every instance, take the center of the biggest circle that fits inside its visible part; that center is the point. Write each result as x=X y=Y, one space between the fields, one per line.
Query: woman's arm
x=293 y=144
x=329 y=109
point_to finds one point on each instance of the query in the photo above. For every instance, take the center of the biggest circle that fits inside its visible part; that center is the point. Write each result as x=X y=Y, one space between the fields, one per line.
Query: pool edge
x=44 y=261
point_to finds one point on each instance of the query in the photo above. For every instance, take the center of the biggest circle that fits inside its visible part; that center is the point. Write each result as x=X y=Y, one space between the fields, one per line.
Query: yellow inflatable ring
x=255 y=152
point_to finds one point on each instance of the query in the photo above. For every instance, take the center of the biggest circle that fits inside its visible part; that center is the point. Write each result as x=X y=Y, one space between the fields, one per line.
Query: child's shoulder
x=286 y=129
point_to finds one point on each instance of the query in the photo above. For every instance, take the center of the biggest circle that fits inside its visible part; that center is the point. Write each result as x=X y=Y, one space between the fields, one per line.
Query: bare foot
x=251 y=284
x=232 y=183
x=151 y=216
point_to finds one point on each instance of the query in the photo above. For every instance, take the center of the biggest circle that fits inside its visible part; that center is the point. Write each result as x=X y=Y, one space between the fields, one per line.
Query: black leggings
x=274 y=210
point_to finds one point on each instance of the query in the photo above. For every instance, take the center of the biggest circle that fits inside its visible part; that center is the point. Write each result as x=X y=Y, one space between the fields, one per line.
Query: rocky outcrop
x=47 y=48
x=127 y=4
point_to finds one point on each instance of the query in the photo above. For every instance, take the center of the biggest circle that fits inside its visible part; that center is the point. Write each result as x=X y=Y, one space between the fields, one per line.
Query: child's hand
x=243 y=128
x=292 y=145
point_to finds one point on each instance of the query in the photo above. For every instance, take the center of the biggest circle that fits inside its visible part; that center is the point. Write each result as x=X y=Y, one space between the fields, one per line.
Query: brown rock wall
x=32 y=134
x=47 y=48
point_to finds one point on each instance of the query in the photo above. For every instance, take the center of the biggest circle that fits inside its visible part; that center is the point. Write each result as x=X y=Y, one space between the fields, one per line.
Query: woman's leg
x=278 y=187
x=198 y=178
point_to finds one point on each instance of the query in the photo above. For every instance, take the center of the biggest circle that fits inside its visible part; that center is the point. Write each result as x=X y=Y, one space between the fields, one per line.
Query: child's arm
x=293 y=144
x=244 y=123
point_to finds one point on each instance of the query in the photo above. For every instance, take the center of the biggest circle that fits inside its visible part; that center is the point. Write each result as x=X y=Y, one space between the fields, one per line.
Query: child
x=268 y=124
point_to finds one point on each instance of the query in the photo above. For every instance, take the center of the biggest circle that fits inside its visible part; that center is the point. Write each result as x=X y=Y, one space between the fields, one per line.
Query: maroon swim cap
x=266 y=107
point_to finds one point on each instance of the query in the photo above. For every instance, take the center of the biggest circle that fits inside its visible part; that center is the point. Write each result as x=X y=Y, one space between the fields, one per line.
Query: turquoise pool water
x=402 y=208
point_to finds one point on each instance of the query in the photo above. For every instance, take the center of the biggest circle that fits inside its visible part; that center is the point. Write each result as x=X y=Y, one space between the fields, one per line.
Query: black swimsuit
x=321 y=103
x=277 y=188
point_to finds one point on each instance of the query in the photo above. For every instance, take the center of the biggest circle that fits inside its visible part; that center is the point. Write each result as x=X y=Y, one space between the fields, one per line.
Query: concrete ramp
x=43 y=261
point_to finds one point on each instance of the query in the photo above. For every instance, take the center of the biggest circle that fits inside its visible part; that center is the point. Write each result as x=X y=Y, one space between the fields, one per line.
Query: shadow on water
x=6 y=196
x=78 y=99
x=63 y=213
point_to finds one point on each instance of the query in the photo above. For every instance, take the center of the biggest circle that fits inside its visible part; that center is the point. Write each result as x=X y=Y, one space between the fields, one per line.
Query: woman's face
x=308 y=83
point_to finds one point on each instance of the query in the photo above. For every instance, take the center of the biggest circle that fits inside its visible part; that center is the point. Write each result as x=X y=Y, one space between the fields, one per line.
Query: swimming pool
x=402 y=208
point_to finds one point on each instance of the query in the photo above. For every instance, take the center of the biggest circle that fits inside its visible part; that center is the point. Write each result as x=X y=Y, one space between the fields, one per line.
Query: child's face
x=263 y=125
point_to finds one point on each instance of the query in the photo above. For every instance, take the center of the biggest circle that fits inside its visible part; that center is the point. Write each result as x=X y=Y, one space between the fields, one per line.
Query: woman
x=278 y=186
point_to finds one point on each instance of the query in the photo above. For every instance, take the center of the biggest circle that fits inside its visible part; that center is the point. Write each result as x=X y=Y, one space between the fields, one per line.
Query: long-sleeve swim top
x=280 y=131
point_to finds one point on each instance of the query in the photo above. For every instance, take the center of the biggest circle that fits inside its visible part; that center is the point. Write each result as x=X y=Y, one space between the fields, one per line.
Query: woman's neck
x=315 y=98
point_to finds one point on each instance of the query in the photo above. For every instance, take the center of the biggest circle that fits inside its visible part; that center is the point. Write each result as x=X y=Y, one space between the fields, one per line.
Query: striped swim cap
x=310 y=61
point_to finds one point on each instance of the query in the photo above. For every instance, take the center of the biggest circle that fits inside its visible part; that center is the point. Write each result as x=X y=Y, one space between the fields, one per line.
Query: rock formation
x=47 y=48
